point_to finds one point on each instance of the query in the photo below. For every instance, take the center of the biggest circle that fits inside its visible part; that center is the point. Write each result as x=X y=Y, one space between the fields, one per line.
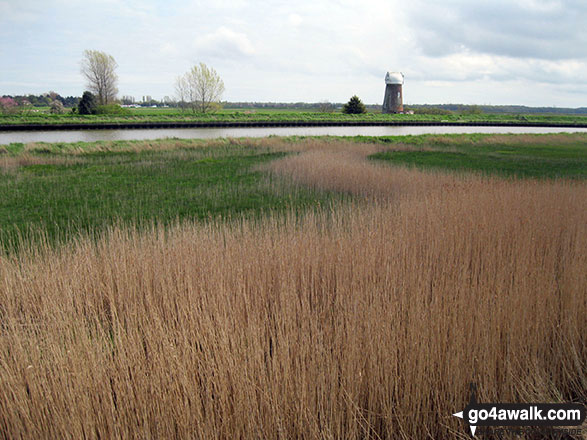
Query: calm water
x=7 y=137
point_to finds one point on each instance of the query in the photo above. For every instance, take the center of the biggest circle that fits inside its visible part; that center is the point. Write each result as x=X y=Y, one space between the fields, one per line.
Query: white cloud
x=169 y=49
x=17 y=12
x=224 y=42
x=294 y=19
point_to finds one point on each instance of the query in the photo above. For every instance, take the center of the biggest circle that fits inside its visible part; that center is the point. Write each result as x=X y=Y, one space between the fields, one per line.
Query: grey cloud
x=522 y=29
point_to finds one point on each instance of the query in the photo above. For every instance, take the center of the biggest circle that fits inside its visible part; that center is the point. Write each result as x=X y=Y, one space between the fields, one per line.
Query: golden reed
x=363 y=320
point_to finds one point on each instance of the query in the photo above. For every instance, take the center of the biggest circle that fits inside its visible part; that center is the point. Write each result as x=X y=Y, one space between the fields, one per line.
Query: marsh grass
x=527 y=156
x=364 y=320
x=71 y=189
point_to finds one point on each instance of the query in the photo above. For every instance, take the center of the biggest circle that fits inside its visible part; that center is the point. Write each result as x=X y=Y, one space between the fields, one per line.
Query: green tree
x=201 y=88
x=88 y=104
x=354 y=106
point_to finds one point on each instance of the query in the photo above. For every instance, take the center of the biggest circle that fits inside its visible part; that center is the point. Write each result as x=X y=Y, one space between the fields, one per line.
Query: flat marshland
x=356 y=298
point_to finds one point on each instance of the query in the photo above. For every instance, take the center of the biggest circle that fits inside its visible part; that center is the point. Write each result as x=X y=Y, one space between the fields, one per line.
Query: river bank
x=292 y=123
x=230 y=118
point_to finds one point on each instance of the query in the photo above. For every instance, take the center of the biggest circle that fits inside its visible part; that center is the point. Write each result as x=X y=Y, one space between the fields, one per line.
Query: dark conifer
x=354 y=106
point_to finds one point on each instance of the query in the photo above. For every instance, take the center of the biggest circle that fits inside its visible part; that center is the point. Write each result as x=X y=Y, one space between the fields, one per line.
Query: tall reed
x=367 y=320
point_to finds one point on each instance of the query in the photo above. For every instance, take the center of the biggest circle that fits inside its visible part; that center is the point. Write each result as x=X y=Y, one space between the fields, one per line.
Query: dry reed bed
x=350 y=172
x=12 y=163
x=365 y=321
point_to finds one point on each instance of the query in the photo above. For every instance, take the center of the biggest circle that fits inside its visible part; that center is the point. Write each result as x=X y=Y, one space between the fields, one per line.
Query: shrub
x=57 y=108
x=111 y=109
x=354 y=106
x=87 y=105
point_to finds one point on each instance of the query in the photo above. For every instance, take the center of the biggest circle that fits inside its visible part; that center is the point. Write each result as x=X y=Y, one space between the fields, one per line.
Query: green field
x=65 y=189
x=149 y=115
x=60 y=190
x=536 y=156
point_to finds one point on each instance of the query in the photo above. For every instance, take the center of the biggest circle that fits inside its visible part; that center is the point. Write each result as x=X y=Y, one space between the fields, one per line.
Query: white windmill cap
x=394 y=78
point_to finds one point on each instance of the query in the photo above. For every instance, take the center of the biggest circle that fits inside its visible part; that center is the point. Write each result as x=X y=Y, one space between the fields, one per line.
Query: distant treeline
x=281 y=105
x=43 y=100
x=499 y=109
x=46 y=99
x=417 y=108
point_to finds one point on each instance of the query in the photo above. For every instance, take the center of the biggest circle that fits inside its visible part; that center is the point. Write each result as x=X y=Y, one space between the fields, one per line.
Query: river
x=7 y=137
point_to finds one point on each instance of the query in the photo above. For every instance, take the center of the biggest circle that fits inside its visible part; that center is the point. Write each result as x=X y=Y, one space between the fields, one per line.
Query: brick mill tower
x=393 y=99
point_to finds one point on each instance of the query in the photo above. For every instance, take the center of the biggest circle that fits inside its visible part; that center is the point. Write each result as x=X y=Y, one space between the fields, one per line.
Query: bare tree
x=326 y=107
x=182 y=91
x=201 y=87
x=99 y=70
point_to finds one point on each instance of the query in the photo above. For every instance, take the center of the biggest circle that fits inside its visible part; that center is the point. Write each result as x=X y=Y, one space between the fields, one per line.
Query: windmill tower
x=393 y=99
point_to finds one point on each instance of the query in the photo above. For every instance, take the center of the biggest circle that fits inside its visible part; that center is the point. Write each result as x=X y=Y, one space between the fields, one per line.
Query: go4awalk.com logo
x=516 y=415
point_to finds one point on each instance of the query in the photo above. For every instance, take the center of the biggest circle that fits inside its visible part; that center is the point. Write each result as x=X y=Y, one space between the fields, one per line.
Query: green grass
x=150 y=115
x=93 y=189
x=535 y=156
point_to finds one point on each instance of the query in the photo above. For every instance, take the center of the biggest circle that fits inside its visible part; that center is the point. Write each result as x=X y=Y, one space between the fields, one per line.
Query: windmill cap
x=394 y=78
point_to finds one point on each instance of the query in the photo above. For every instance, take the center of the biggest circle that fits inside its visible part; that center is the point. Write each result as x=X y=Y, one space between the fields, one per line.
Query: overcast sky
x=529 y=52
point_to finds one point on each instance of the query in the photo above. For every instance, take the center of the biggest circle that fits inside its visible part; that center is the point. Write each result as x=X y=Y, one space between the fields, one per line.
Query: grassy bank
x=537 y=156
x=174 y=115
x=365 y=320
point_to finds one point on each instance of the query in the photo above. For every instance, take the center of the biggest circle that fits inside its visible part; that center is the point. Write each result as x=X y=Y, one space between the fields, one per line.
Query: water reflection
x=8 y=137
